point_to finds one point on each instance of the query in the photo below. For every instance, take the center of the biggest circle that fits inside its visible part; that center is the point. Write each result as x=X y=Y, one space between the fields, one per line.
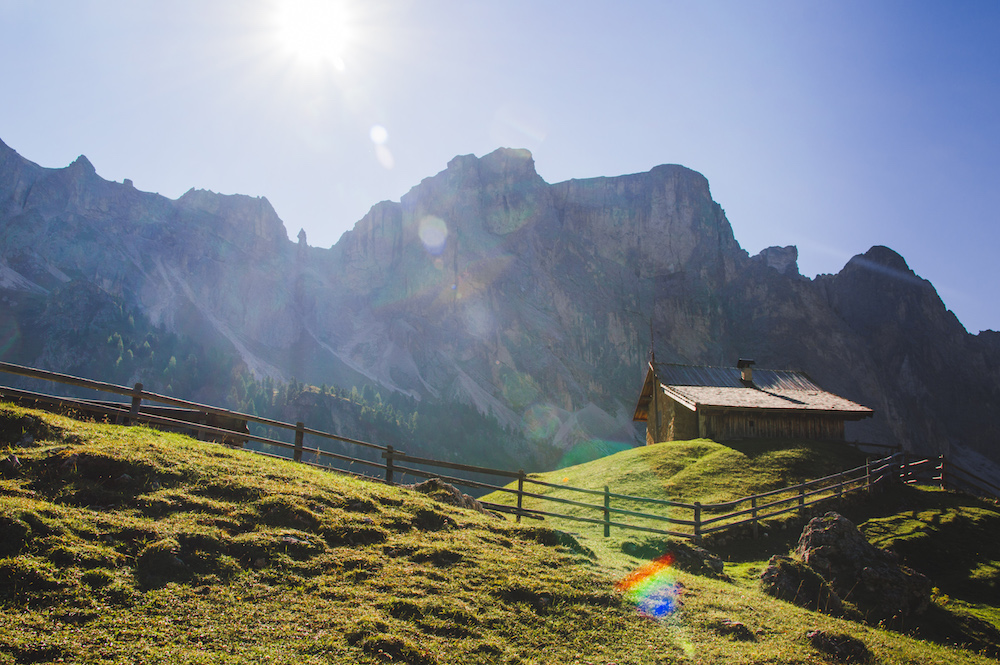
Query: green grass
x=951 y=537
x=128 y=545
x=685 y=472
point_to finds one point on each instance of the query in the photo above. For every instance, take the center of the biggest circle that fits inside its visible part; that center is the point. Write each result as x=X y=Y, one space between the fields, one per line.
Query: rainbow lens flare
x=652 y=587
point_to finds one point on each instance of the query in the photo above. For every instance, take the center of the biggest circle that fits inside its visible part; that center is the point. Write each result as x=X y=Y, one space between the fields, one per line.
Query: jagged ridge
x=484 y=284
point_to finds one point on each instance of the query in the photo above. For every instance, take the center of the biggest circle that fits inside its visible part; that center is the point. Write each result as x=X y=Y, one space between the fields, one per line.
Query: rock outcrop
x=791 y=580
x=849 y=569
x=444 y=492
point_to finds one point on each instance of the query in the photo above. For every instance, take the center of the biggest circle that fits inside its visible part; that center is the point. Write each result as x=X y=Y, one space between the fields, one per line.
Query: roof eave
x=847 y=415
x=641 y=413
x=683 y=400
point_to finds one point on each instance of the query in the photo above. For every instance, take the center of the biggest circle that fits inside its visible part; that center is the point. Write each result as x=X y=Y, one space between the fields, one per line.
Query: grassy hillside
x=134 y=546
x=682 y=471
x=952 y=538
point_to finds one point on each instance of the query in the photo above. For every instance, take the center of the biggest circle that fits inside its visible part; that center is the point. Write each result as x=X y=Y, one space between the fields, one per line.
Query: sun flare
x=316 y=31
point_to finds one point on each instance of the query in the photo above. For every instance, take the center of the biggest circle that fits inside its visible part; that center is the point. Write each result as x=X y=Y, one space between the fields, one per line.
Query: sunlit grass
x=130 y=545
x=683 y=472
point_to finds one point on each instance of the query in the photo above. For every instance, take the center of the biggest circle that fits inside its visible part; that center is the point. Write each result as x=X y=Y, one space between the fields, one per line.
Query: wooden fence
x=747 y=512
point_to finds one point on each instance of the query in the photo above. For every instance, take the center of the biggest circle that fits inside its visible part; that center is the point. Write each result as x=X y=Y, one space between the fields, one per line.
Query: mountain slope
x=131 y=545
x=534 y=303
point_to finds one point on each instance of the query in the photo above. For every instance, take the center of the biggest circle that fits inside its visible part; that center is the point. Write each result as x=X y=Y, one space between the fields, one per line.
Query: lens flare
x=541 y=422
x=589 y=450
x=653 y=588
x=378 y=134
x=384 y=156
x=314 y=30
x=433 y=233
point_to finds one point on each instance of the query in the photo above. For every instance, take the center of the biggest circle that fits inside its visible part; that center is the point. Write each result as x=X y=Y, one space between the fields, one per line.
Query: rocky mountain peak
x=504 y=160
x=4 y=147
x=82 y=165
x=238 y=212
x=534 y=303
x=882 y=257
x=513 y=161
x=783 y=259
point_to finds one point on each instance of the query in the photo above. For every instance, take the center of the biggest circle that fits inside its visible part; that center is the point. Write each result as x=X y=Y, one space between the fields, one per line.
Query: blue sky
x=833 y=126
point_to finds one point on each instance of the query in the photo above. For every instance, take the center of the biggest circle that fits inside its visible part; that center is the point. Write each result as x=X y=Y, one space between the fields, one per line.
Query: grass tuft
x=206 y=554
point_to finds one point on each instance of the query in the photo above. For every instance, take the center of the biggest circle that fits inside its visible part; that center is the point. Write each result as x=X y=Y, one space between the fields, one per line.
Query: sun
x=315 y=31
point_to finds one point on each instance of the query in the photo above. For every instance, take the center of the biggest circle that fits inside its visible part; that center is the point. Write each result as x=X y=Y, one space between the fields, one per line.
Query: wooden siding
x=656 y=423
x=670 y=421
x=683 y=422
x=725 y=425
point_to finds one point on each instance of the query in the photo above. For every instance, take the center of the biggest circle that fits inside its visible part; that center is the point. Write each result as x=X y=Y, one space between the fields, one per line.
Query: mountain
x=534 y=303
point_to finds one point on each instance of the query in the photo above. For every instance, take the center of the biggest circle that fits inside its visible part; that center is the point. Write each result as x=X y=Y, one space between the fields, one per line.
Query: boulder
x=793 y=581
x=687 y=557
x=441 y=491
x=860 y=573
x=839 y=646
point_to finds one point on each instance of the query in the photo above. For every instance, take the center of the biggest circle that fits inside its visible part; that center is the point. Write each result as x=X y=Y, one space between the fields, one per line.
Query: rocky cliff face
x=535 y=303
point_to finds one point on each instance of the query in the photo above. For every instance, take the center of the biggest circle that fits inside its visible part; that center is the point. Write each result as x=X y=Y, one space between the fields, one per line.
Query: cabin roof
x=722 y=387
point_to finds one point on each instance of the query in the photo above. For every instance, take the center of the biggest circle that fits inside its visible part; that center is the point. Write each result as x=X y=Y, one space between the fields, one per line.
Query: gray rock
x=685 y=556
x=445 y=493
x=840 y=647
x=783 y=259
x=793 y=581
x=10 y=465
x=736 y=630
x=866 y=576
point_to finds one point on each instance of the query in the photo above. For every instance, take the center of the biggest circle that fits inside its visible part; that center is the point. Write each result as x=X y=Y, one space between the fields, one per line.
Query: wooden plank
x=626 y=497
x=450 y=465
x=404 y=470
x=763 y=515
x=619 y=525
x=620 y=511
x=501 y=508
x=79 y=382
x=762 y=495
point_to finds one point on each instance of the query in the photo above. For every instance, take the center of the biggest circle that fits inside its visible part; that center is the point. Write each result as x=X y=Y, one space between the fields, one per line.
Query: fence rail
x=705 y=518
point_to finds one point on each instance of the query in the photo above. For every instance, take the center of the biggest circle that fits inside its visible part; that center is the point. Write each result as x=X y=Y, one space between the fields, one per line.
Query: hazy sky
x=833 y=126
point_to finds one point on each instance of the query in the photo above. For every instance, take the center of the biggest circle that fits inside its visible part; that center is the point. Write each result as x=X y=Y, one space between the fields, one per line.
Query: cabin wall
x=670 y=421
x=683 y=423
x=656 y=423
x=726 y=425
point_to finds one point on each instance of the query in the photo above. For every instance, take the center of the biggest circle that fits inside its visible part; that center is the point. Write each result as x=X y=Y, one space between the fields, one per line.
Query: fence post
x=840 y=485
x=607 y=512
x=868 y=475
x=888 y=475
x=520 y=492
x=753 y=505
x=941 y=469
x=802 y=500
x=299 y=435
x=388 y=464
x=904 y=468
x=136 y=401
x=697 y=521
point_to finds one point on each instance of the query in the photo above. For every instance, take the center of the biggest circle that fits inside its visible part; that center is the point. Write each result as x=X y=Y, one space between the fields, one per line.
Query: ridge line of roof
x=659 y=363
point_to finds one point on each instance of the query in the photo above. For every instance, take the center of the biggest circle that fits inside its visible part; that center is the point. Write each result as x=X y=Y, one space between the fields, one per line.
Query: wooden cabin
x=681 y=402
